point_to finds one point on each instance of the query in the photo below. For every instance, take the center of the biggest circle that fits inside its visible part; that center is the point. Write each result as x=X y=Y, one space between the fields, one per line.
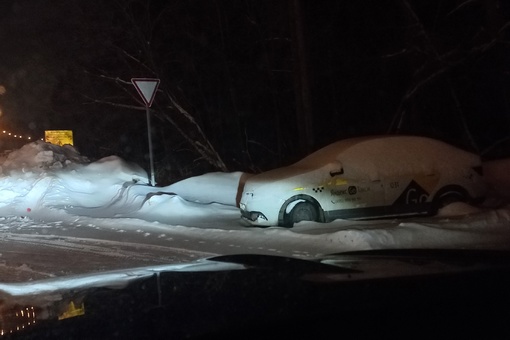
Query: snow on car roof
x=391 y=155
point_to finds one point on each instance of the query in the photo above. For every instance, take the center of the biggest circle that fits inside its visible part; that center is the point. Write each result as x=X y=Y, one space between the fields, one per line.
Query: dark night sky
x=439 y=67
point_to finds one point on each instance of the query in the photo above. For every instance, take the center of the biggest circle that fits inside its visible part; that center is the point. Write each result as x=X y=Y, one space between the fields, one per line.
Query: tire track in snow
x=102 y=247
x=30 y=257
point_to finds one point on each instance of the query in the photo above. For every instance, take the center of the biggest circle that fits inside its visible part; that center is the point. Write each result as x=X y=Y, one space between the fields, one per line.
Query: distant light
x=16 y=135
x=2 y=89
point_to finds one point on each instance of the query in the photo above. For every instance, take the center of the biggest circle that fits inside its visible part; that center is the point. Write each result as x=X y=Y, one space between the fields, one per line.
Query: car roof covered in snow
x=376 y=157
x=392 y=155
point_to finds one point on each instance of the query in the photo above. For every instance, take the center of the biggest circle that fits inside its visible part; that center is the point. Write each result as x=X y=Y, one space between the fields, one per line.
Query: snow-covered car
x=364 y=177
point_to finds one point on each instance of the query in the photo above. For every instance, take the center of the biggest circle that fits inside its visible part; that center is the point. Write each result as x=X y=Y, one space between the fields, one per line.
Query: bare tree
x=439 y=64
x=304 y=117
x=141 y=55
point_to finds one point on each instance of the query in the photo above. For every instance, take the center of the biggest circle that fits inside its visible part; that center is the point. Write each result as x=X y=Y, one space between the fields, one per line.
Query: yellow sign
x=72 y=311
x=59 y=137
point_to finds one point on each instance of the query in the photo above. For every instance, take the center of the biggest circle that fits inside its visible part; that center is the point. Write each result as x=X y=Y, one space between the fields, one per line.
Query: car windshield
x=140 y=136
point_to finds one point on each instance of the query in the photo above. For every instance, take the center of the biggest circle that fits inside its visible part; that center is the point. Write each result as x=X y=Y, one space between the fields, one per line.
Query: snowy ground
x=63 y=215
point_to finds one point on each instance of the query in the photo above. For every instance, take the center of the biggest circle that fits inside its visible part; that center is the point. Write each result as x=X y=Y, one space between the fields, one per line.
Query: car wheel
x=450 y=196
x=303 y=211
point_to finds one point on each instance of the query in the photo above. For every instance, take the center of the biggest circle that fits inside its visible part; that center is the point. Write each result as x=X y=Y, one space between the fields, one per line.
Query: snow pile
x=43 y=175
x=217 y=187
x=40 y=156
x=93 y=185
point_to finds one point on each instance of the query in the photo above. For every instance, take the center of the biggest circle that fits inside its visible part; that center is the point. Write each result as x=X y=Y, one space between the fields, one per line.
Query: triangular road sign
x=146 y=88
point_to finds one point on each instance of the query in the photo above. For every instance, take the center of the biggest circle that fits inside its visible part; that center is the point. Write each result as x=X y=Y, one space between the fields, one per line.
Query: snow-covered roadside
x=50 y=184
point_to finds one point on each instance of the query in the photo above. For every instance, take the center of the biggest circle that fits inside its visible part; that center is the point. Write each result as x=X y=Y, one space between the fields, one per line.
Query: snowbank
x=40 y=157
x=42 y=175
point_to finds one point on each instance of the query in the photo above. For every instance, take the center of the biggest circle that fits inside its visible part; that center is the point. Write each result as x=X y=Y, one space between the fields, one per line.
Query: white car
x=366 y=177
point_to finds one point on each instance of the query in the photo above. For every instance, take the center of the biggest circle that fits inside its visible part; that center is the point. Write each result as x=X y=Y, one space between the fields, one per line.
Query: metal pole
x=152 y=181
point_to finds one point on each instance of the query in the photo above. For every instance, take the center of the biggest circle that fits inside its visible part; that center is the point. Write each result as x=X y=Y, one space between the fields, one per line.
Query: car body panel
x=364 y=178
x=391 y=293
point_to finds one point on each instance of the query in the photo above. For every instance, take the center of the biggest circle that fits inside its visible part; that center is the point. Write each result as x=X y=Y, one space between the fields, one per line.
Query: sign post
x=146 y=88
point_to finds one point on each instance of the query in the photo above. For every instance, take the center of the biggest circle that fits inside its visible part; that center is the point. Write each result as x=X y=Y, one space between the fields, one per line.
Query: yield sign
x=146 y=88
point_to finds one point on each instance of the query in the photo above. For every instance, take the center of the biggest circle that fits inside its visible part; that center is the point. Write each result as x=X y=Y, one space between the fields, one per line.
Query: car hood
x=287 y=177
x=280 y=174
x=212 y=294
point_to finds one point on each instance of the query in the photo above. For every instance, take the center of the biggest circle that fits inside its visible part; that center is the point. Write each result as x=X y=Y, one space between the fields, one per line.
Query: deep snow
x=50 y=191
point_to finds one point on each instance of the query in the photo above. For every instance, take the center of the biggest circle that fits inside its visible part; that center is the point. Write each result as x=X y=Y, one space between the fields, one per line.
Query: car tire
x=303 y=211
x=450 y=195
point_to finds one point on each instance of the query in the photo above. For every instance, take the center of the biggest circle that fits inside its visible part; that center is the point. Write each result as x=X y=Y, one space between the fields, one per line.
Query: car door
x=352 y=194
x=410 y=193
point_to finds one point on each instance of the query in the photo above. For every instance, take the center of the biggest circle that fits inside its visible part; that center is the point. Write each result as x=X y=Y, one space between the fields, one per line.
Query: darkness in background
x=438 y=68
